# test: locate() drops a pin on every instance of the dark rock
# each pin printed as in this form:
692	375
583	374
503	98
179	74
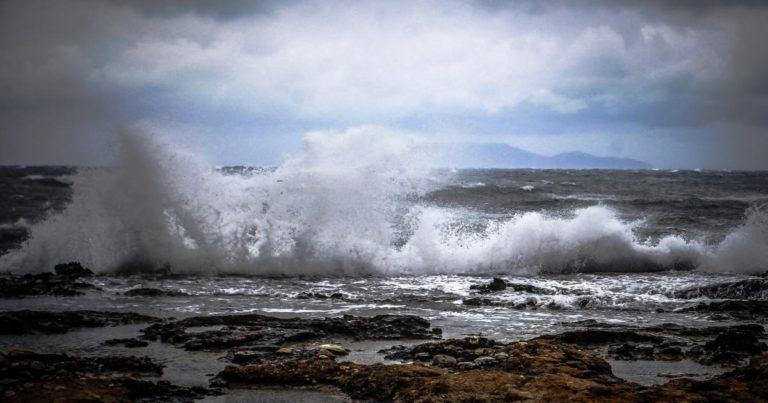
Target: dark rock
154	292
591	323
62	283
667	341
596	337
266	333
477	301
72	270
745	289
732	347
32	377
495	285
538	370
22	322
318	295
130	343
30	366
738	310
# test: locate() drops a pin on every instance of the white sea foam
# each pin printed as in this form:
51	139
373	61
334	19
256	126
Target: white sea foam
347	203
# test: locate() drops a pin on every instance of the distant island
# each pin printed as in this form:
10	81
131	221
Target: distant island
500	155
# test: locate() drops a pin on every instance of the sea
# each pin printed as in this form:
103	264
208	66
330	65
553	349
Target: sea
385	232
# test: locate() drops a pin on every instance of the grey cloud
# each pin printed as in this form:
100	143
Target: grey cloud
228	9
57	103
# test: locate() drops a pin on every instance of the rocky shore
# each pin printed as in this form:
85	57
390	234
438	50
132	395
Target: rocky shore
263	351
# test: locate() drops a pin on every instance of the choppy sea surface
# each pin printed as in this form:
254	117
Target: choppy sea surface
609	245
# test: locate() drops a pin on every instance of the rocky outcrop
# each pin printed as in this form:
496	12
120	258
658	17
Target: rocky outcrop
22	322
751	310
63	282
713	345
32	377
267	334
746	289
153	292
537	370
498	284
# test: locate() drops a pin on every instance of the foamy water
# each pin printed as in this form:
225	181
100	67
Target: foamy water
348	203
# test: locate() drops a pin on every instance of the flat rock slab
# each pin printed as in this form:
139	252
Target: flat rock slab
23	322
266	334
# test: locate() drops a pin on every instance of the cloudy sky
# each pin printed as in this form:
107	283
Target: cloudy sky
681	84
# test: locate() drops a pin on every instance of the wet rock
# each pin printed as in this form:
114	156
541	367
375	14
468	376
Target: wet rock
318	295
154	292
732	347
745	289
32	377
529	303
485	361
30	366
336	349
595	337
464	350
538	370
22	322
444	360
130	343
590	323
61	283
250	332
668	342
743	384
730	310
72	270
477	301
494	285
498	284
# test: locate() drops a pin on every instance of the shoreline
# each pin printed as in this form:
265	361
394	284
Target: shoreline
76	353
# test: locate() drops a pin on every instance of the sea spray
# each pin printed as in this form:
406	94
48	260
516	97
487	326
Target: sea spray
348	203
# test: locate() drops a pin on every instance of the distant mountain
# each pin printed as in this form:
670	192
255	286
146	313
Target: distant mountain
500	155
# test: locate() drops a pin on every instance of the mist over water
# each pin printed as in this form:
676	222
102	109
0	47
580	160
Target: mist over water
354	202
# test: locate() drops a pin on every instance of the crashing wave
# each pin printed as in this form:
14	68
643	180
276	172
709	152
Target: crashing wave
348	203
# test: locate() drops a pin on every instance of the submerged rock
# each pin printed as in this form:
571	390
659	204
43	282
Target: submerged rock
154	292
61	283
22	322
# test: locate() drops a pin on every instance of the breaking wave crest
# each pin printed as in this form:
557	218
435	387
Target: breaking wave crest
347	203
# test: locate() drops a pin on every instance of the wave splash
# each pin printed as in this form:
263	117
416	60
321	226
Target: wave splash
347	203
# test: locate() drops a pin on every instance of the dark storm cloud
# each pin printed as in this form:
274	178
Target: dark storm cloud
219	9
